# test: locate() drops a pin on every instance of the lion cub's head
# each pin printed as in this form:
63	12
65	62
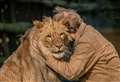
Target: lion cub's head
54	37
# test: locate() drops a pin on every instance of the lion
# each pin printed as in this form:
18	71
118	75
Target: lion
27	64
56	40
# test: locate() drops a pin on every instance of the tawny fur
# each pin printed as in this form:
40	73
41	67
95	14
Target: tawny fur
26	64
21	66
55	38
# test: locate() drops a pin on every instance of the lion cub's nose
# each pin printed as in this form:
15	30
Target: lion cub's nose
59	45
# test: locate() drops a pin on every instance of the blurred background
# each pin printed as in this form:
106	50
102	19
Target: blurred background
16	17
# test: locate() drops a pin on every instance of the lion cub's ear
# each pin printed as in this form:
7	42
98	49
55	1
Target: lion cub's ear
38	24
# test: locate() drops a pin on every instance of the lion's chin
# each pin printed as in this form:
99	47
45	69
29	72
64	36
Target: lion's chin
59	55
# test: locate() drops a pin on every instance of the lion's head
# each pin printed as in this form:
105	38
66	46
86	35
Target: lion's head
54	37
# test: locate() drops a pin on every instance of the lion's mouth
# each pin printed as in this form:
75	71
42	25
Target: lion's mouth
59	55
58	52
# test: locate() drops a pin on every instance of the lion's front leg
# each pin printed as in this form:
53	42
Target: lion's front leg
52	76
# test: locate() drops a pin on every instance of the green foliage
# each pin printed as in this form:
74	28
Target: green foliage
14	27
2	60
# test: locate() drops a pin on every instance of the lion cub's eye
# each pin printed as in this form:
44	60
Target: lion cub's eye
48	37
62	35
67	24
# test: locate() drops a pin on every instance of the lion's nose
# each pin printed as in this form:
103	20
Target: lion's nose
59	45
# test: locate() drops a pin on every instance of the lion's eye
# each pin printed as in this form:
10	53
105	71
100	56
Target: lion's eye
48	37
62	35
67	24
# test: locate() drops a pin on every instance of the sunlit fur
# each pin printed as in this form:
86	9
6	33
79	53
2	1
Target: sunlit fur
55	37
26	64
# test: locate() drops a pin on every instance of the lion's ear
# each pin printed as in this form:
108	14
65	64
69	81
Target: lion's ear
47	19
37	24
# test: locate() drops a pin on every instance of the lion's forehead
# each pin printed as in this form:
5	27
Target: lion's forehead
53	29
55	26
